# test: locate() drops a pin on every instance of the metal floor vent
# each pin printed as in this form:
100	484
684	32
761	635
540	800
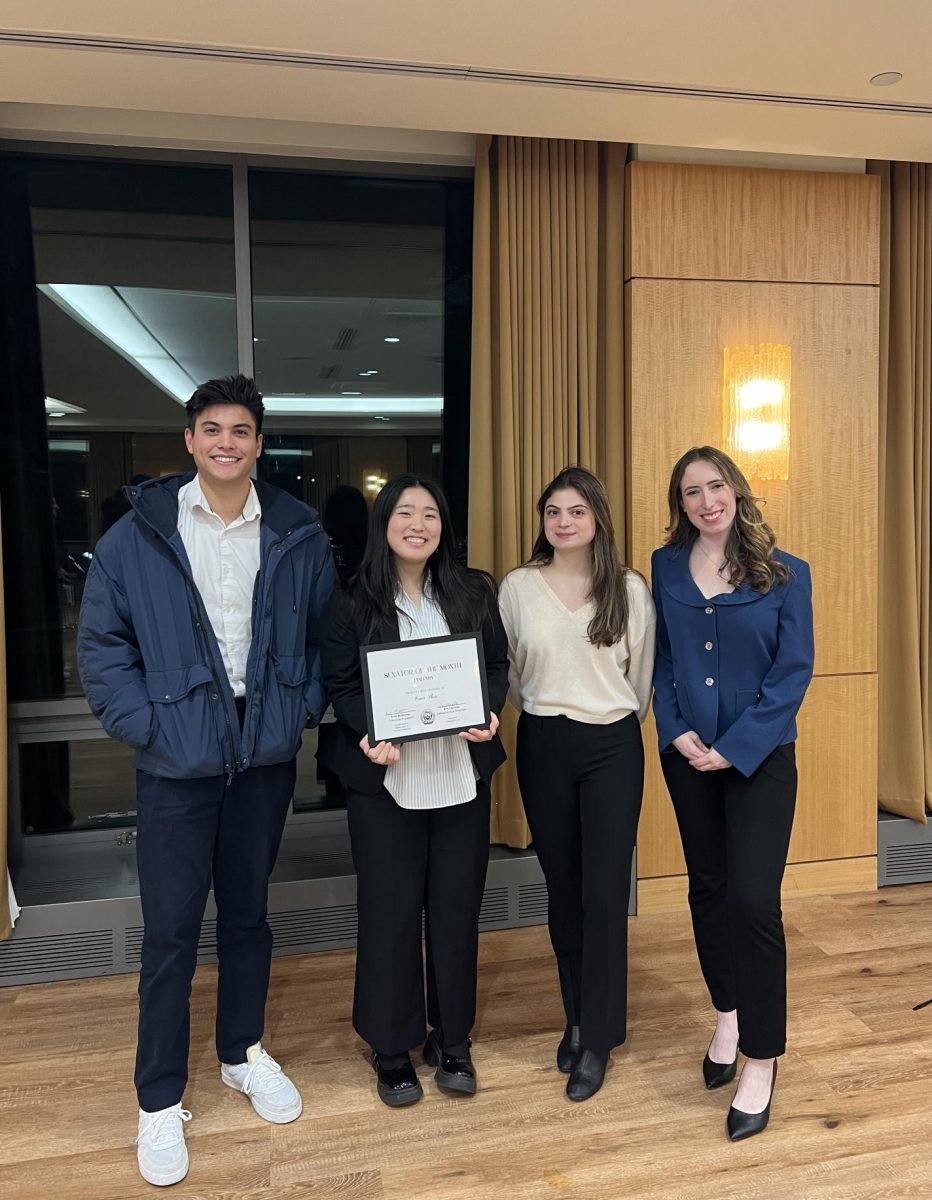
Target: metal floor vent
57	956
65	940
532	902
494	910
904	851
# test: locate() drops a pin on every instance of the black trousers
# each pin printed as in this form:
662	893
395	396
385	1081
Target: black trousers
408	863
736	835
189	831
582	787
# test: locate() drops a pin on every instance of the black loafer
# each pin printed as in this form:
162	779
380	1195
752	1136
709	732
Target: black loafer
715	1074
454	1073
569	1049
741	1125
396	1085
587	1075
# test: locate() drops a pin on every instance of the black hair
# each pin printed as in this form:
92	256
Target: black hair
462	594
231	389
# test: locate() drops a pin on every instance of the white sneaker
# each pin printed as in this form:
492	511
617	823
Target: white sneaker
160	1150
273	1095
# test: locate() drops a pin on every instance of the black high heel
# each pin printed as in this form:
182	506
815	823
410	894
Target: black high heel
715	1074
743	1125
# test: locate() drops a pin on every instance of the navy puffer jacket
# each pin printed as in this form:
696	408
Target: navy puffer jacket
148	658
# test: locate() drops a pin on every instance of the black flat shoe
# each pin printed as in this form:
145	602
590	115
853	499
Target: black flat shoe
568	1049
715	1074
454	1073
743	1125
587	1075
396	1085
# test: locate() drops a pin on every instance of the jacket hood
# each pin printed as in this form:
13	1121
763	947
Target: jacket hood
156	501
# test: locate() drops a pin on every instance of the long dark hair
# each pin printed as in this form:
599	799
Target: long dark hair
751	542
463	594
609	587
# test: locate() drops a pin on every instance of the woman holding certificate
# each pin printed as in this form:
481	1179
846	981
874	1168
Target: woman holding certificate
581	641
418	811
734	660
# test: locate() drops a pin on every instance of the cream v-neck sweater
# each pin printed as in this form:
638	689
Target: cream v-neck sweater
556	671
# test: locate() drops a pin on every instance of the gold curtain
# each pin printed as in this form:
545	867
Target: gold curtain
905	615
6	926
547	354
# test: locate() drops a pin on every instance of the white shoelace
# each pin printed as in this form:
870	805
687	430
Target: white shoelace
165	1128
266	1068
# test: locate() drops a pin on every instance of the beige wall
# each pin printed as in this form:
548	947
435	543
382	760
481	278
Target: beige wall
720	256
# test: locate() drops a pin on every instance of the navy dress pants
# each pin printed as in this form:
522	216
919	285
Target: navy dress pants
736	836
189	832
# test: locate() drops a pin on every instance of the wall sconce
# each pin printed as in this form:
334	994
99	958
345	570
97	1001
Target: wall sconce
756	409
374	481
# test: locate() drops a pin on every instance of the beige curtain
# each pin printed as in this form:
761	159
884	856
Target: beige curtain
6	925
905	759
547	353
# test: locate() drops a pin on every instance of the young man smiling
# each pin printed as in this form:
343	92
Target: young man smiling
198	647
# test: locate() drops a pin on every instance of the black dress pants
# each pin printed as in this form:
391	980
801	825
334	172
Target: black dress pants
582	787
409	863
736	836
190	831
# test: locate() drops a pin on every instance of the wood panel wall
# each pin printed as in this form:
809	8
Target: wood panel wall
720	256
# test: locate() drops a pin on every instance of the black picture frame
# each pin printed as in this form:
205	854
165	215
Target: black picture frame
366	651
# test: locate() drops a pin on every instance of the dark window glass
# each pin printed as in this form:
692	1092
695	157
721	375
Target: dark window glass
120	285
350	312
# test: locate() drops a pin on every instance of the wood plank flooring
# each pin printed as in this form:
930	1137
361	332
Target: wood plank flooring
850	1122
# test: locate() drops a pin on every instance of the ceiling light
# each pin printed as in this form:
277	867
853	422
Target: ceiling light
886	78
103	311
365	406
393	340
350	393
59	408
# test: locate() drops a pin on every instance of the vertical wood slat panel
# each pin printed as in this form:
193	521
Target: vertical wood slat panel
717	239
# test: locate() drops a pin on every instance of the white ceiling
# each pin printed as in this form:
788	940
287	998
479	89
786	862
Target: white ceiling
789	78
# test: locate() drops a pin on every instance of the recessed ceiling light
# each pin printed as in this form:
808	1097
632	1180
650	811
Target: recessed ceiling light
351	393
393	339
886	78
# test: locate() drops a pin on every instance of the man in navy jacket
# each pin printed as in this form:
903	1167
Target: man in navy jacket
198	647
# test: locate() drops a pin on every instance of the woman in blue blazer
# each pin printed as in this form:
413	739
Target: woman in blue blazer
734	660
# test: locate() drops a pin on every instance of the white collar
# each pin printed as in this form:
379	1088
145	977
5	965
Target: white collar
193	496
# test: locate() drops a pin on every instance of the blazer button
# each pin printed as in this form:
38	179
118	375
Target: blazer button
710	610
709	681
708	645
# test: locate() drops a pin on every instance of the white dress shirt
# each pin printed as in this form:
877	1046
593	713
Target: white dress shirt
224	561
437	772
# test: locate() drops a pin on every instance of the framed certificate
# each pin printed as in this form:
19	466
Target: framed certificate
428	687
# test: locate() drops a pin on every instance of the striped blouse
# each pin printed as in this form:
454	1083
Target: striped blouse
436	772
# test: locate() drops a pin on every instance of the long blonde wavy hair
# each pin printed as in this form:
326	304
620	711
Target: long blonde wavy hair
751	541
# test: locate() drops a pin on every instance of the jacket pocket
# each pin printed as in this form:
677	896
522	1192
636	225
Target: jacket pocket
745	699
187	741
284	712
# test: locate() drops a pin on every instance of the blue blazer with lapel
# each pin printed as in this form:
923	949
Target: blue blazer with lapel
735	668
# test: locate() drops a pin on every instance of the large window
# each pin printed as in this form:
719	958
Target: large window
133	285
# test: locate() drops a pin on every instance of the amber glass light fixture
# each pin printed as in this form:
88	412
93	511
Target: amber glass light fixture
756	409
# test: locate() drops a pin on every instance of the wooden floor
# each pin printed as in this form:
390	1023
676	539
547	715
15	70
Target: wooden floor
851	1117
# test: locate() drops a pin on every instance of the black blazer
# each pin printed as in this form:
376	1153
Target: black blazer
343	633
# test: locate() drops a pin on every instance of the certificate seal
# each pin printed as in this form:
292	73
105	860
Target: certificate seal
427	717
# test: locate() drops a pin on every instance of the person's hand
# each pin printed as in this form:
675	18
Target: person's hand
710	761
691	745
481	735
383	755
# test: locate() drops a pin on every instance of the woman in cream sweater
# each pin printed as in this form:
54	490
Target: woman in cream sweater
580	630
